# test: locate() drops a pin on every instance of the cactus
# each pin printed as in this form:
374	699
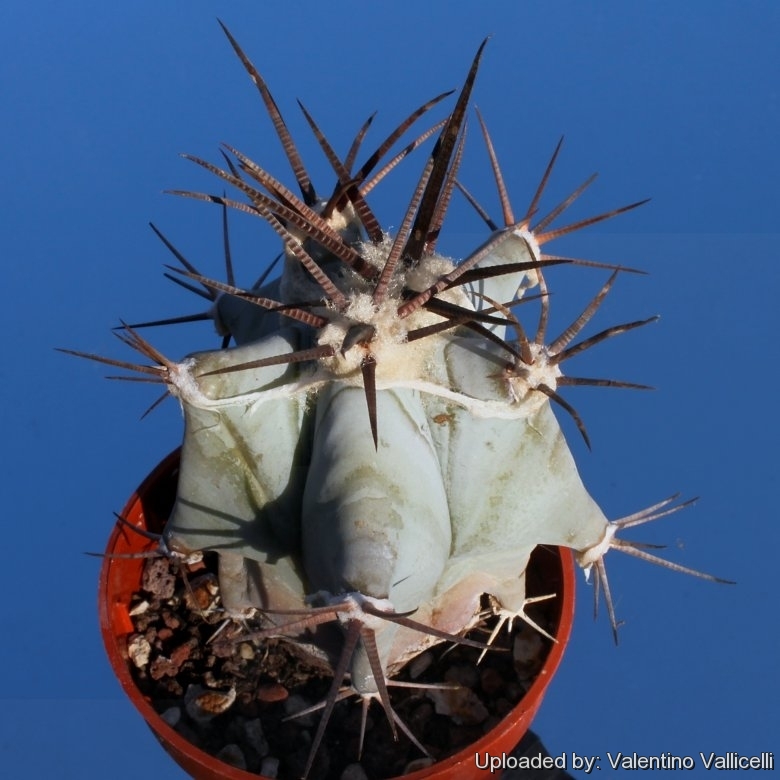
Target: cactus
378	448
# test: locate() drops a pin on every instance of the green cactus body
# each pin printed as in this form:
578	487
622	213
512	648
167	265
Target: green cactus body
381	439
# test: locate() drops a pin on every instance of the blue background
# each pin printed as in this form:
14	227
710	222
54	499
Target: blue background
675	101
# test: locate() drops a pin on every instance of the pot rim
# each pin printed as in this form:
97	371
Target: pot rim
115	624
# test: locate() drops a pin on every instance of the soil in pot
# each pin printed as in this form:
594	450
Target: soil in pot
234	699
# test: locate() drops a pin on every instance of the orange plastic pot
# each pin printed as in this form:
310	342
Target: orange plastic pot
551	571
